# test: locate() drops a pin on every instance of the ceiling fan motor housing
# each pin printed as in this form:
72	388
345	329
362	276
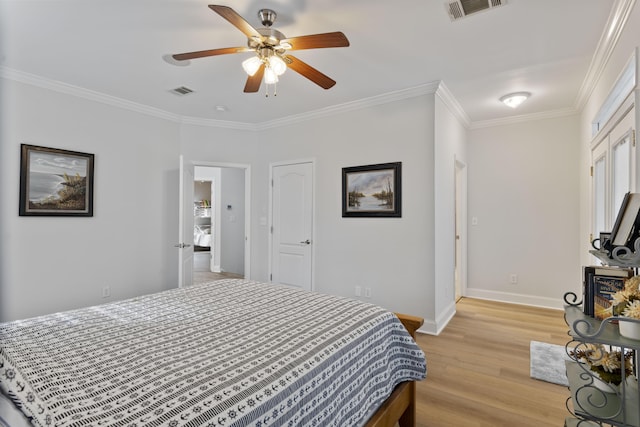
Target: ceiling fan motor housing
271	36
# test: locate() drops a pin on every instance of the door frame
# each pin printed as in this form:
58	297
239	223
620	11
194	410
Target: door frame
460	220
313	213
247	206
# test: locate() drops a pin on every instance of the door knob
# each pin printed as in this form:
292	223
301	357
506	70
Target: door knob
306	242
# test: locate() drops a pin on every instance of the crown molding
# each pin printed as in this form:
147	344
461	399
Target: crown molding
34	80
608	41
225	124
563	112
613	30
398	95
452	104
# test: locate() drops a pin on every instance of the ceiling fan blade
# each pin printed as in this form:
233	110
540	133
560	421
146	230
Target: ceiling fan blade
211	52
309	72
253	82
315	41
236	20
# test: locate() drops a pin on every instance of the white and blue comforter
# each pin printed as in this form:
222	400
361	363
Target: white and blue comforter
225	353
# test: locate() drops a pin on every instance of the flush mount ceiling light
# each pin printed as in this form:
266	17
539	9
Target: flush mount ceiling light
513	100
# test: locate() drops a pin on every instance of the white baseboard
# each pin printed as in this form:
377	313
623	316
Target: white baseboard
431	327
435	327
536	301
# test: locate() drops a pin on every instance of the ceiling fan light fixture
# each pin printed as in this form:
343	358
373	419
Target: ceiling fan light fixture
270	76
251	65
514	100
277	64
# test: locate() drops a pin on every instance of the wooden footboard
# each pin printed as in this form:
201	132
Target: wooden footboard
400	407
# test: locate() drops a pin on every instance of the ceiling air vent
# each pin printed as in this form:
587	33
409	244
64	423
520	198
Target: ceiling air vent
182	90
458	9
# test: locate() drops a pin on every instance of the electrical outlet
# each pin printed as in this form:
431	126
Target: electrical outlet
358	291
513	278
106	291
367	292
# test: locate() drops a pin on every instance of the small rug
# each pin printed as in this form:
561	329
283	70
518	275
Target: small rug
547	362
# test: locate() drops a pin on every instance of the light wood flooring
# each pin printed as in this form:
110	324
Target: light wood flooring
208	276
478	369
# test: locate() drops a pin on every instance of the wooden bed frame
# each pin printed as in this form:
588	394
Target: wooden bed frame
400	407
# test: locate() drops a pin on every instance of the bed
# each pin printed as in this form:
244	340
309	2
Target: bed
225	353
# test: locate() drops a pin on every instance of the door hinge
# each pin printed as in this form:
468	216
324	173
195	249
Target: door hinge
633	137
272	229
591	237
270	277
272	182
591	171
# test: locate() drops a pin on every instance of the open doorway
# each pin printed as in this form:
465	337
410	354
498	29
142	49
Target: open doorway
203	221
220	235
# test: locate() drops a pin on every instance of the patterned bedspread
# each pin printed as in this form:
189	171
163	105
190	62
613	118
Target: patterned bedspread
225	353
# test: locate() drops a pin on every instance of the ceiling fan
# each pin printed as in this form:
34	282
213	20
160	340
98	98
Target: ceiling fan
271	48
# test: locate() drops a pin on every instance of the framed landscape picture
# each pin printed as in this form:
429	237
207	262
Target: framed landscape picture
372	190
55	182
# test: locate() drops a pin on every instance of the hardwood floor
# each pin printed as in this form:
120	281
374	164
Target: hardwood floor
208	276
478	369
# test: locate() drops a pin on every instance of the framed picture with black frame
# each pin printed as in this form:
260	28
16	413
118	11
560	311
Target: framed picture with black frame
55	182
372	190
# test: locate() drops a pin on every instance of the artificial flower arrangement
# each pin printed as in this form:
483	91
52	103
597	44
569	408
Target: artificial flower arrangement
626	302
607	364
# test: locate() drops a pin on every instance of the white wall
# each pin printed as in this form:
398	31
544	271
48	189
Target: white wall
392	256
232	220
523	196
450	146
524	191
50	264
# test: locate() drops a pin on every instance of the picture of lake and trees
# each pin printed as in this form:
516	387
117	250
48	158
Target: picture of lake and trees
57	181
371	190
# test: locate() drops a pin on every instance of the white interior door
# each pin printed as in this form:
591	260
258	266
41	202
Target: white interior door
292	225
185	224
460	275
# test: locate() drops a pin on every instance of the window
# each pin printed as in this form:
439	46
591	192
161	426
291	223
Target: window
613	154
613	173
622	88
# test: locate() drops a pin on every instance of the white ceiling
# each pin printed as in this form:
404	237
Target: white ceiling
119	48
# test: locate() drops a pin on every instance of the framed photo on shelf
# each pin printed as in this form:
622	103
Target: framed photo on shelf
372	190
55	182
